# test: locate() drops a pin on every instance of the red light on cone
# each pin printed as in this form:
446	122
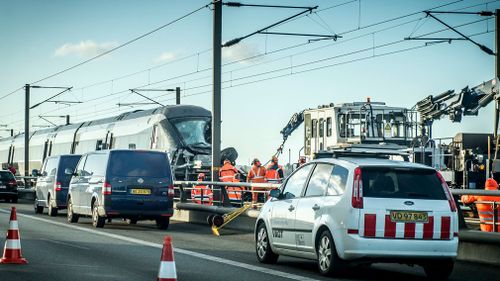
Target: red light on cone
12	250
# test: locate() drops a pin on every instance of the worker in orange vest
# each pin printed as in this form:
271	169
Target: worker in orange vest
256	175
202	194
485	210
228	173
302	161
274	171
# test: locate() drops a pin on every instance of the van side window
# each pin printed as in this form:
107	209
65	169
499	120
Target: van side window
338	180
319	180
295	183
50	167
95	165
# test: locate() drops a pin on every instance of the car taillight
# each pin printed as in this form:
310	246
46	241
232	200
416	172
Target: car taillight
357	190
57	186
446	189
171	191
106	188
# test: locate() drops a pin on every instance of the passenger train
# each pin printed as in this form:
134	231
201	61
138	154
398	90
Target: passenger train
183	131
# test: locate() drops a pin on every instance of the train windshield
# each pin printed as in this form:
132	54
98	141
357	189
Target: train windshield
195	132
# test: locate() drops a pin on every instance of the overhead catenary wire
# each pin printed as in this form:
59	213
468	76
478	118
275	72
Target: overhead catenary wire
367	26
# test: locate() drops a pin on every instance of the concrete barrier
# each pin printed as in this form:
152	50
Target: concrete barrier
474	246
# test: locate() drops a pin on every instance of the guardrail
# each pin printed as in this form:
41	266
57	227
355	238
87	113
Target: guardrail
221	191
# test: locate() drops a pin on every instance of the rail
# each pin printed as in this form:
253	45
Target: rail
494	204
222	193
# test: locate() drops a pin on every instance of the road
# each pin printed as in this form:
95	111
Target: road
57	250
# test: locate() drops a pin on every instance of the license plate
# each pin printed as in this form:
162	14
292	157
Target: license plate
2	186
140	191
409	216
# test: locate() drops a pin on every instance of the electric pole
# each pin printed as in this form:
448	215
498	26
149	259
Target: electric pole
216	96
26	130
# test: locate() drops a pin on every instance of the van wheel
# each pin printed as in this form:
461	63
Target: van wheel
262	246
162	223
37	207
52	211
97	221
439	270
72	217
131	221
329	263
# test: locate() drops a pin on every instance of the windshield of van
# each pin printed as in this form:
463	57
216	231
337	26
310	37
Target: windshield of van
66	162
139	164
411	183
194	131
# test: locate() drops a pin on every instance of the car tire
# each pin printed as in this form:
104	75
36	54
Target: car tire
72	217
37	207
97	220
439	270
329	263
52	211
210	220
162	223
263	247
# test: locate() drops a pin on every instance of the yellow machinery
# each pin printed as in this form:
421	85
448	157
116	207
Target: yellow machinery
218	221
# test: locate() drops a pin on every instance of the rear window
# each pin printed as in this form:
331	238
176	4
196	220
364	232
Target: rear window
6	176
66	162
139	164
387	182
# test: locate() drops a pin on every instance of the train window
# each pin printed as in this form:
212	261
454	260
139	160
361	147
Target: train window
315	128
194	132
321	127
329	126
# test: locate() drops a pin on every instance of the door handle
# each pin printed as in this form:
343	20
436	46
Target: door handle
316	207
291	208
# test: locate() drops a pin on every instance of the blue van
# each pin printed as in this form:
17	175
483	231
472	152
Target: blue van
130	184
52	183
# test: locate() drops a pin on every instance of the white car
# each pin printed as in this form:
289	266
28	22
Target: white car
361	210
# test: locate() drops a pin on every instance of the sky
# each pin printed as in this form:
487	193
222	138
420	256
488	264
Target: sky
266	78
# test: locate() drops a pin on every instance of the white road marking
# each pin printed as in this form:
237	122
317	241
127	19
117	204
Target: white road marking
176	250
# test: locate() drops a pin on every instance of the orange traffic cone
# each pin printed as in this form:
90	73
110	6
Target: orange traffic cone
167	264
12	251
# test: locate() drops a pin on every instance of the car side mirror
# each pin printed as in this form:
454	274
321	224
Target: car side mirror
35	173
68	171
275	193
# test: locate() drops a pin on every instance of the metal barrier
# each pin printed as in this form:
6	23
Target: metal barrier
219	191
482	192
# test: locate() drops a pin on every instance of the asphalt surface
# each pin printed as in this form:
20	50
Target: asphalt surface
57	250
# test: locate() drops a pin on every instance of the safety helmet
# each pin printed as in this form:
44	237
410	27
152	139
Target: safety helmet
274	158
226	161
255	160
491	184
201	175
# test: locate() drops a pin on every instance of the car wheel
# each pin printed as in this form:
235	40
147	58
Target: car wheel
262	246
72	217
97	221
210	220
37	207
329	263
52	211
162	223
439	270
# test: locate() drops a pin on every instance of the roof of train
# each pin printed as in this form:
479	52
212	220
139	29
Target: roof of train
170	111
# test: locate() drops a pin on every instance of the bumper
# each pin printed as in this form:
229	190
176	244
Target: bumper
356	247
8	194
112	213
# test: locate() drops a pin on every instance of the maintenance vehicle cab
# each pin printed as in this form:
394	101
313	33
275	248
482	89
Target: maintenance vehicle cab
129	184
359	209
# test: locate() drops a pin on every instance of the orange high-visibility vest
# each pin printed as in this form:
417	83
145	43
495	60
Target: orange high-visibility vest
227	173
485	210
274	174
202	194
257	175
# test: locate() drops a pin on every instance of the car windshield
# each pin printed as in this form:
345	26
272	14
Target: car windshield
6	176
389	182
194	131
139	164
